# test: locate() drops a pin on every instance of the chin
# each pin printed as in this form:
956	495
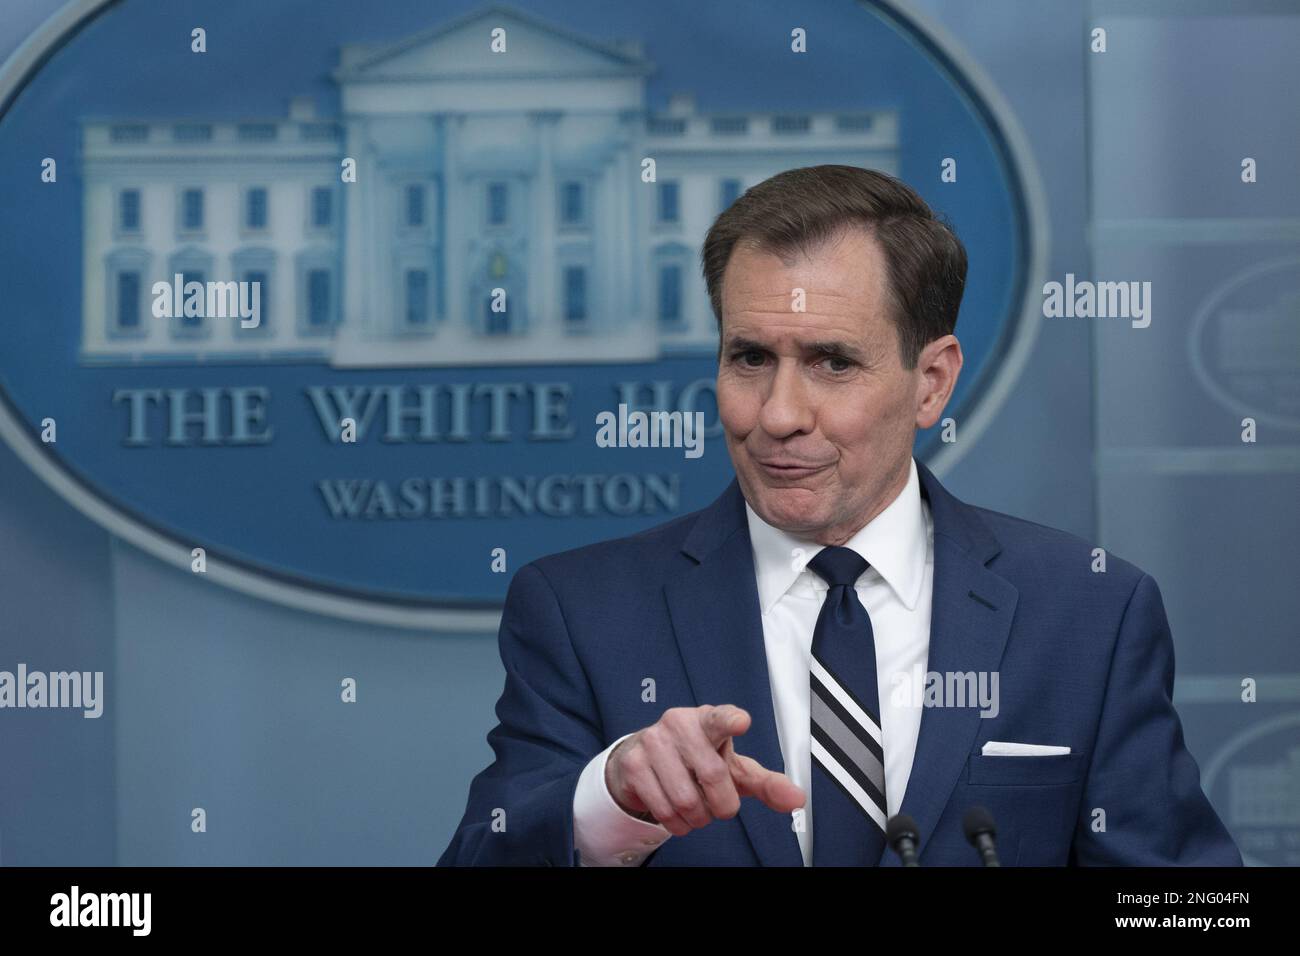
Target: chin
788	508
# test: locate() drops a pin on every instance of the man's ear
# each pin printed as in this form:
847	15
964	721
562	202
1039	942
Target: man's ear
938	365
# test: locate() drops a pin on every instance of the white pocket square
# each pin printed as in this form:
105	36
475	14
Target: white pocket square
1001	748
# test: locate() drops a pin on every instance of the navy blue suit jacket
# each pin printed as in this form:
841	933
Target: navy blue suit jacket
1084	659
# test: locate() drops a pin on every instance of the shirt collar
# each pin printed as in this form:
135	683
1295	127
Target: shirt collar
895	543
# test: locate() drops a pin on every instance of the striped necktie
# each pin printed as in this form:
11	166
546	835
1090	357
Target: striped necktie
848	760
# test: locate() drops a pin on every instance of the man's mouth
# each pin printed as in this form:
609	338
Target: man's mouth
787	468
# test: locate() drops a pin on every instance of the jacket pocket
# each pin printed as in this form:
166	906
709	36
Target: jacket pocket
1049	771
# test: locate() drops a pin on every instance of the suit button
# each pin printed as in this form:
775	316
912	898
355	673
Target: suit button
628	858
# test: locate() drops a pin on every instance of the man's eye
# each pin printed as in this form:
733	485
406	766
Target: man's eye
750	354
844	364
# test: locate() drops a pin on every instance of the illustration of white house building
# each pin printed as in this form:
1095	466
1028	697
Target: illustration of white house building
499	212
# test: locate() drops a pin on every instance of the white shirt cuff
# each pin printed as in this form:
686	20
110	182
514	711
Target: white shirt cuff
603	832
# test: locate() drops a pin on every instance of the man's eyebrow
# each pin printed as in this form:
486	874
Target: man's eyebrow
821	347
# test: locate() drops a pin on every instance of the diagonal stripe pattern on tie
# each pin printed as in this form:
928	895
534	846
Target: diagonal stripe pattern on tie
848	759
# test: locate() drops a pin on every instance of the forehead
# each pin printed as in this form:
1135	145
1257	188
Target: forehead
843	283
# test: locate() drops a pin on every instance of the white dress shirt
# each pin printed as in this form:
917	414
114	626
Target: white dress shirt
896	590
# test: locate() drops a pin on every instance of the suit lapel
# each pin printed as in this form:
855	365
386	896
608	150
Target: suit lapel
719	629
970	619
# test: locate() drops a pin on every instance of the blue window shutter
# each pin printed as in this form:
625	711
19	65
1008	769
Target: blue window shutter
318	297
128	300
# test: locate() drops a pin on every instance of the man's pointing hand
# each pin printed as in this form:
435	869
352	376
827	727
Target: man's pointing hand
684	772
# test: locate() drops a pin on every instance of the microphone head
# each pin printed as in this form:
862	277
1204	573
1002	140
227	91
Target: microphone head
977	821
901	825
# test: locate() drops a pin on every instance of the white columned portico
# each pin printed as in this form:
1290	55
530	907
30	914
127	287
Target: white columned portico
457	225
357	297
609	237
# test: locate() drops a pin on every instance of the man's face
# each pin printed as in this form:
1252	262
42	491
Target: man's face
818	411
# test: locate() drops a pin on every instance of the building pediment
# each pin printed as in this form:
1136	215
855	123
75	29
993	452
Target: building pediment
457	49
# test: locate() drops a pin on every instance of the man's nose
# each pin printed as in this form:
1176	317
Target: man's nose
787	407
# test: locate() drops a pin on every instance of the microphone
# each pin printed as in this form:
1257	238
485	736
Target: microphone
980	833
902	835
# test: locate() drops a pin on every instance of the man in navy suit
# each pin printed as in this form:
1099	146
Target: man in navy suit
836	639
